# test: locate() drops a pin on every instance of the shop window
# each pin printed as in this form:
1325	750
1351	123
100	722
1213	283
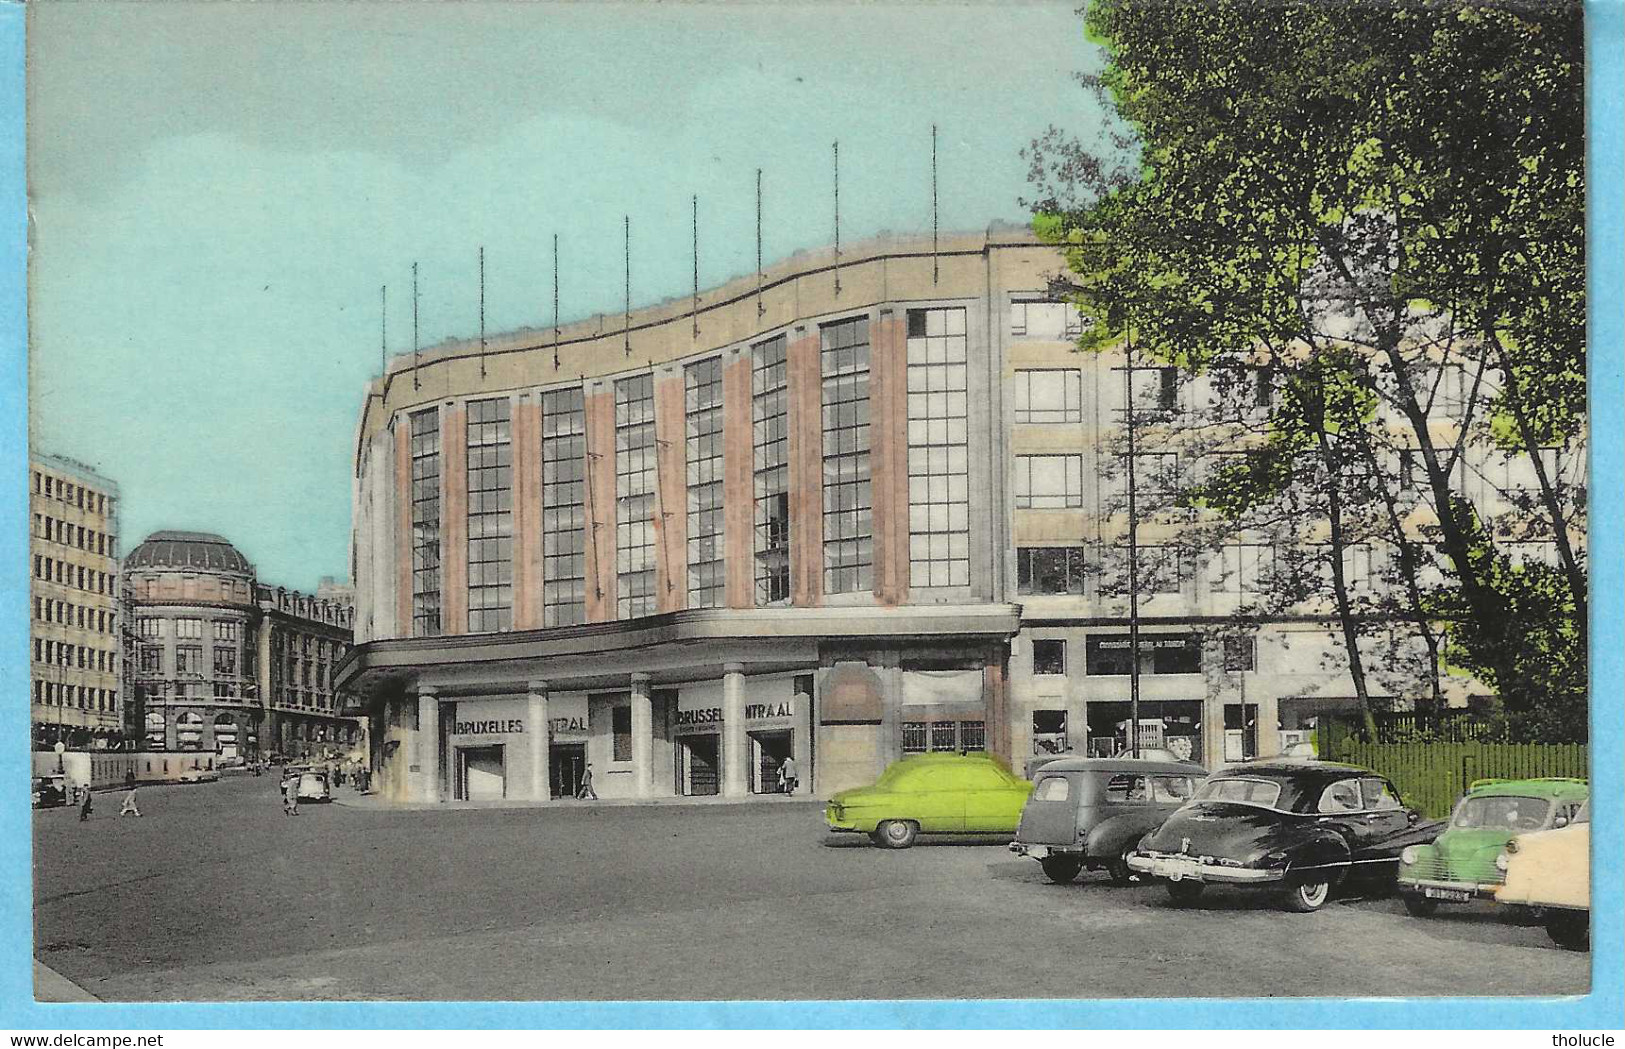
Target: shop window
1049	570
620	719
1049	656
914	737
1049	732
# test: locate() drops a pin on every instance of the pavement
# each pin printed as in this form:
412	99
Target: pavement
214	894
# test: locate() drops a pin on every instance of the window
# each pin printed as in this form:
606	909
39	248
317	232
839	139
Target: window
188	628
1247	568
1049	570
1158	569
490	516
621	726
938	450
225	662
702	387
1051	395
225	630
1377	795
944	736
1049	732
770	437
1342	796
914	737
1045	482
1240	654
1037	317
1049	656
425	446
635	496
1155	388
564	508
848	500
973	735
188	659
152	659
1052	788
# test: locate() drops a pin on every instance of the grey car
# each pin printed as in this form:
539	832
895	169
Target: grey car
1091	812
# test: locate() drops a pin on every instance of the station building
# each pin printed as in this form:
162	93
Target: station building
841	511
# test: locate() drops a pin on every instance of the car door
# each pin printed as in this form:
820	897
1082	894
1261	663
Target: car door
936	800
1383	818
993	801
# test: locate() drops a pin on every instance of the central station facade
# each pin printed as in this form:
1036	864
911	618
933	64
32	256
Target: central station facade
836	512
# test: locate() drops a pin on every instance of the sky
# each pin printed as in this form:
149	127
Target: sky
218	191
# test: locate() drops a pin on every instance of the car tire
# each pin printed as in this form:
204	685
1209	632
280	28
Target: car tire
1183	892
1061	869
1307	896
1571	929
1419	906
896	834
1118	869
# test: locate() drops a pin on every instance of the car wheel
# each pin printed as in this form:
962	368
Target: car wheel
1571	929
1119	871
897	834
1308	896
1183	892
1061	869
1420	906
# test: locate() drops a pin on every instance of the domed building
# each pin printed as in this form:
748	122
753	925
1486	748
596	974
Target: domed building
226	665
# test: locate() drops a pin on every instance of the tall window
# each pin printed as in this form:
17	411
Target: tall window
225	662
938	450
1049	395
426	522
770	405
635	496
564	508
703	408
1047	482
188	659
848	500
490	516
1050	570
189	628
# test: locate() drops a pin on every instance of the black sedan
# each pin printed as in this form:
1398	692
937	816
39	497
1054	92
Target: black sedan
1301	828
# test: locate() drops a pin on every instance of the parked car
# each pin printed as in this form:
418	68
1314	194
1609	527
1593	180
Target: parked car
50	791
1299	828
1551	870
932	794
197	776
1090	812
1461	865
315	785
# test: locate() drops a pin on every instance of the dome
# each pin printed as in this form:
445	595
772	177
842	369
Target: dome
188	551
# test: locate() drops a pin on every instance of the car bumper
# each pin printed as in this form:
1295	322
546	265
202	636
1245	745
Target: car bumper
1036	851
1448	891
1177	868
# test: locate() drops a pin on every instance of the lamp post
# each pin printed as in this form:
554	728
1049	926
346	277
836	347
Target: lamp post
1133	560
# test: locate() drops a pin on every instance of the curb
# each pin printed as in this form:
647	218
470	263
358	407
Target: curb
373	803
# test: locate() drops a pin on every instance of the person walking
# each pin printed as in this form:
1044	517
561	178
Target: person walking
84	803
290	796
585	791
787	775
129	807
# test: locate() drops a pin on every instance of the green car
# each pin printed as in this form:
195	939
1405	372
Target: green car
1460	864
932	794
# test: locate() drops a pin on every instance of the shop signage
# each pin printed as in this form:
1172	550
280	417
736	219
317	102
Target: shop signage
758	711
707	715
491	727
568	724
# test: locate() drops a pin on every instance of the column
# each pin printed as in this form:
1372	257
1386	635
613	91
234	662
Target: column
643	743
734	743
1269	725
428	745
536	726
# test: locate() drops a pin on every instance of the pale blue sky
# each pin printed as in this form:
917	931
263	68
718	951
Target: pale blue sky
218	191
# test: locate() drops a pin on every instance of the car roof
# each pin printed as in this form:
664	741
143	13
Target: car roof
1178	768
1548	786
1299	769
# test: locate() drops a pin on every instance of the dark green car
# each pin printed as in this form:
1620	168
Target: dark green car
1460	865
932	794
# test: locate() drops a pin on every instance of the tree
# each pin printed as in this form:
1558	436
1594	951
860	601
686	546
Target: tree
1393	193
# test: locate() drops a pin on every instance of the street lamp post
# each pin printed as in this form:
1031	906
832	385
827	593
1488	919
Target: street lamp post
1133	561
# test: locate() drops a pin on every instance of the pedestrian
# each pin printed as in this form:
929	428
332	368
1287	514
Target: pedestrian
84	803
129	807
290	796
787	775
585	791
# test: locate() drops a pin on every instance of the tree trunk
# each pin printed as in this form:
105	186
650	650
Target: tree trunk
1345	613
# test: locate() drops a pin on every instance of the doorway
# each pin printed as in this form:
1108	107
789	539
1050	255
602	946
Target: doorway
767	752
566	763
701	764
480	774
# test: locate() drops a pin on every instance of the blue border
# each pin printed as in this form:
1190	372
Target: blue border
1603	1008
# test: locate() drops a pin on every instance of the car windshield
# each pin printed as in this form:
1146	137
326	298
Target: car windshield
1250	791
1501	813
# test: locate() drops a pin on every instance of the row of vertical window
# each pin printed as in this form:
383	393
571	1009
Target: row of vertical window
848	489
55	530
702	383
75	495
636	498
938	449
80	657
490	515
81	697
51	570
49	610
564	508
921	737
1112	655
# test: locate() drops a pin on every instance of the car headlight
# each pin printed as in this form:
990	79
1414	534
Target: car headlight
1407	855
1502	862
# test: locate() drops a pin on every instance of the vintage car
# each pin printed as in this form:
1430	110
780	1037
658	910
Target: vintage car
50	791
1550	871
1460	865
1300	828
196	775
1091	812
932	794
314	784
